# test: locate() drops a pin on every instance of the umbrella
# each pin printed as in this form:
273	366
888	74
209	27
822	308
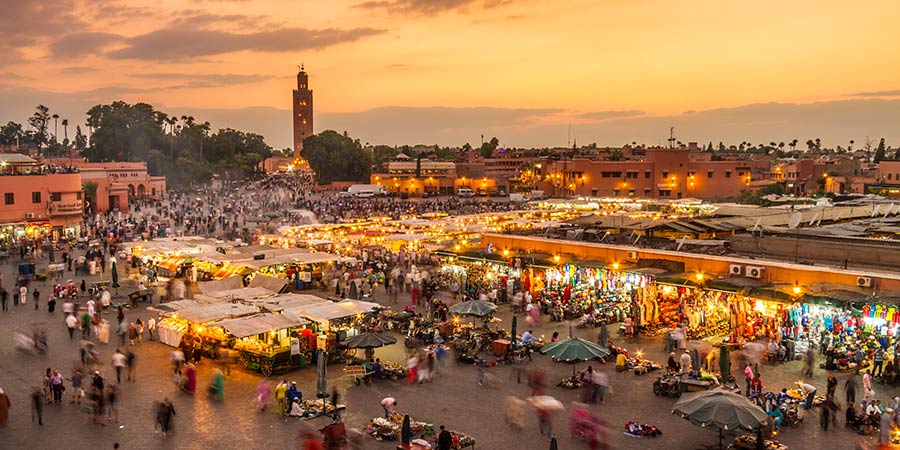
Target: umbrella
695	360
553	444
574	349
405	431
475	308
724	363
115	278
512	338
321	381
604	336
369	340
721	409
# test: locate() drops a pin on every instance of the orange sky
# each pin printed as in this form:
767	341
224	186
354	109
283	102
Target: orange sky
658	57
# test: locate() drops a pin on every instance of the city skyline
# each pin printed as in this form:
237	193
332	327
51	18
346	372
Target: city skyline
445	72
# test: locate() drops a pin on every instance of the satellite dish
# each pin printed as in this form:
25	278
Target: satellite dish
794	220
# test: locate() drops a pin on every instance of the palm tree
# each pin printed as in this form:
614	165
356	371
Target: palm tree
65	123
794	144
55	127
818	144
850	148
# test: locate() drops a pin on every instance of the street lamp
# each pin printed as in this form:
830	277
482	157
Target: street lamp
699	276
797	289
556	258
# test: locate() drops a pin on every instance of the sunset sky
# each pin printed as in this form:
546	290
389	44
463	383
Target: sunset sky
447	71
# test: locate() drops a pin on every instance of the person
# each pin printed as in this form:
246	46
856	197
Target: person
189	383
334	401
262	395
112	402
37	299
777	416
832	384
850	388
130	363
4	298
56	386
809	392
51	304
686	361
296	410
672	364
5	404
37	405
621	359
528	337
293	393
388	403
119	361
879	362
85	325
280	397
810	360
151	327
748	377
868	393
71	323
828	413
886	427
77	389
555	336
217	387
445	439
165	412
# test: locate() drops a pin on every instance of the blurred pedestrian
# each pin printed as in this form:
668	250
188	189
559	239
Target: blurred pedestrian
5	404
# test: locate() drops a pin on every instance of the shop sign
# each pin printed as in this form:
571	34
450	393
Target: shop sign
295	346
59	208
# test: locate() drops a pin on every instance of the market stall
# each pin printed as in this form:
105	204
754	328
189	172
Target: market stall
191	321
267	342
334	322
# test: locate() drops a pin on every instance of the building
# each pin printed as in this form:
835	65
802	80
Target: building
303	111
117	183
39	200
661	173
500	169
407	176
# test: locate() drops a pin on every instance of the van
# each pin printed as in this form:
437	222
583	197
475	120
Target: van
375	189
537	195
465	193
516	198
365	194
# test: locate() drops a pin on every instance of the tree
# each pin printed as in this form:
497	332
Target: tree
336	157
488	148
467	147
810	145
616	155
383	153
65	124
880	151
793	144
11	133
39	121
818	144
80	138
90	193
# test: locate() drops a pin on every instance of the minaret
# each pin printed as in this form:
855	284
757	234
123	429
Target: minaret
303	111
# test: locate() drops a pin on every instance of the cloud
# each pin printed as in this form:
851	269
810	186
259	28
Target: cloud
892	93
429	7
173	43
606	115
205	80
83	43
77	70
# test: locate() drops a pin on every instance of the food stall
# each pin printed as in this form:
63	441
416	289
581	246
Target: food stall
334	322
268	342
192	320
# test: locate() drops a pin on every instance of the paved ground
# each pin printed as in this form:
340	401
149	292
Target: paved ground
453	399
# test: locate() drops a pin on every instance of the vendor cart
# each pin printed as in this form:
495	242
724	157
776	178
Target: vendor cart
359	372
138	296
275	361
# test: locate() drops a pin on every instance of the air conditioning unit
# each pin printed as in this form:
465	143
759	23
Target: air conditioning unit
864	281
736	269
753	271
29	215
633	255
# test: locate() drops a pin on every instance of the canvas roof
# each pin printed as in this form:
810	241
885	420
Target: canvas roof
216	311
232	282
331	311
260	323
274	284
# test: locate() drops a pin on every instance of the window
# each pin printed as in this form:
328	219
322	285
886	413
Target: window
631	174
691	173
889	176
665	174
78	194
35	197
611	174
647	174
615	192
9	198
665	193
594	192
727	174
631	192
646	192
709	174
56	196
740	173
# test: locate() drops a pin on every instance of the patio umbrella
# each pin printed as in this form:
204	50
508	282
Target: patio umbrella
369	340
695	360
724	363
115	278
512	338
553	444
604	336
721	409
321	381
405	431
574	350
475	308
